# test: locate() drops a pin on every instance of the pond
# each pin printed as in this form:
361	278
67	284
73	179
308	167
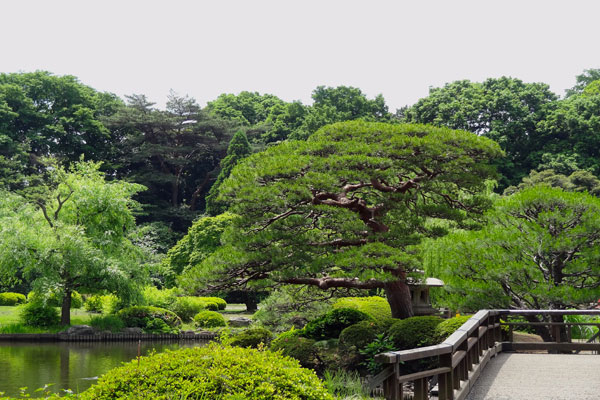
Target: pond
67	365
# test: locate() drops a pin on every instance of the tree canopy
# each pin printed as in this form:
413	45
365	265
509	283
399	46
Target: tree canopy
538	250
346	207
72	237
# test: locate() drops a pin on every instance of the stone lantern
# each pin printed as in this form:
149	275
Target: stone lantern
419	293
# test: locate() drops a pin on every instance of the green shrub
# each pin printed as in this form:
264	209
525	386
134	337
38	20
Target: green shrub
300	348
221	304
156	297
12	299
359	335
55	298
157	325
210	372
414	332
286	335
211	306
252	338
188	306
375	307
449	326
93	303
331	324
38	314
107	323
141	316
209	319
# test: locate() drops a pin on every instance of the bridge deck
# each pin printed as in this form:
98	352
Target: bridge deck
514	376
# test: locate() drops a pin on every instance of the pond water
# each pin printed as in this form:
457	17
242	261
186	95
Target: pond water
67	365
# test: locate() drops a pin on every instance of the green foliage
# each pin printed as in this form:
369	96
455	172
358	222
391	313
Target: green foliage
300	348
111	323
141	316
414	332
221	304
291	307
163	298
106	304
188	306
578	181
375	307
334	207
538	250
252	337
449	326
12	299
238	149
72	235
38	314
331	324
347	385
209	319
380	344
210	372
359	335
585	332
55	298
506	110
583	80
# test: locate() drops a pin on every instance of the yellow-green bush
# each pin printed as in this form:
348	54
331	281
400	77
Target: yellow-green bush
375	307
221	304
210	372
54	299
141	316
156	297
209	319
12	299
449	326
252	337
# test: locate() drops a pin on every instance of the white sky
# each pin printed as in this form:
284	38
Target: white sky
287	48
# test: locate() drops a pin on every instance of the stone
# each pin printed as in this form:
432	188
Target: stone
133	330
80	330
240	321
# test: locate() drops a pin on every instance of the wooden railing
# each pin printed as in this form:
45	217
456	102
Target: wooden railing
462	357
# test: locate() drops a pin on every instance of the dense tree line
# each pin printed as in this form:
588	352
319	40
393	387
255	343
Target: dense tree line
189	161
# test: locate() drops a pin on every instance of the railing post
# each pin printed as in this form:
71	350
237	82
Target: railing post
392	389
421	389
446	381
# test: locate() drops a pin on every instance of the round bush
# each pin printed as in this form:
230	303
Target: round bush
375	307
40	315
300	348
188	306
210	372
414	332
252	338
359	335
449	326
156	297
93	303
140	316
221	304
209	319
331	324
12	299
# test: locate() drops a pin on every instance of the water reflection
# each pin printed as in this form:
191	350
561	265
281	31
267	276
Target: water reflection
74	366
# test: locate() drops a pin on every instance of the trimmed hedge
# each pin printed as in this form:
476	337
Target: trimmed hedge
375	307
209	319
359	335
221	304
210	372
252	337
300	348
414	332
141	316
449	326
331	324
12	299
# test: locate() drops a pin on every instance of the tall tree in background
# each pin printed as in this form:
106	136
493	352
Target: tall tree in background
43	115
174	153
238	149
583	80
506	110
345	208
72	237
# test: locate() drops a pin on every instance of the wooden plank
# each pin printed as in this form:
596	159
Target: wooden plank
422	352
456	339
551	312
470	326
423	374
457	357
380	377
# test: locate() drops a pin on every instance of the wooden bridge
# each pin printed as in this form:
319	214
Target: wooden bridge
475	363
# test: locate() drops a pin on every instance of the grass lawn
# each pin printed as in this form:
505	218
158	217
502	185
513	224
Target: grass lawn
9	321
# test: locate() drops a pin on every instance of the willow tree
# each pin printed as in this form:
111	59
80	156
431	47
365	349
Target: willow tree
346	208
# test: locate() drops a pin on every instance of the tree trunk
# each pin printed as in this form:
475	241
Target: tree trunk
65	311
398	295
251	303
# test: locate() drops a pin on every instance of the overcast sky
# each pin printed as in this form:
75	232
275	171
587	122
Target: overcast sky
287	48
